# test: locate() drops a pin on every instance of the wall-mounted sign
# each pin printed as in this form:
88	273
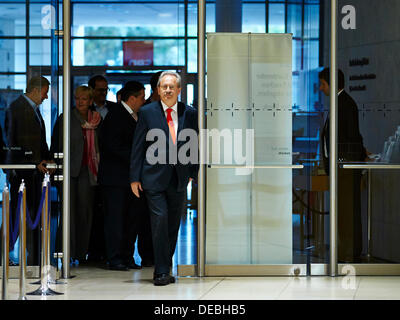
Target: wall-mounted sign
138	53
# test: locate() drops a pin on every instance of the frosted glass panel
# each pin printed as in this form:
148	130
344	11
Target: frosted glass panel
249	211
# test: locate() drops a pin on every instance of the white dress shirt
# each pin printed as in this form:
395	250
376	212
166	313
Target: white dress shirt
131	112
174	115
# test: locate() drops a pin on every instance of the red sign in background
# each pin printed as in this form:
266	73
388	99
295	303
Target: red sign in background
138	53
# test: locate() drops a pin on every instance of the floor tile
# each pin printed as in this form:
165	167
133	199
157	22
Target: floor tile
320	288
246	288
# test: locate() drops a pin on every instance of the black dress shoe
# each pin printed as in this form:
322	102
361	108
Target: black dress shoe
118	267
163	279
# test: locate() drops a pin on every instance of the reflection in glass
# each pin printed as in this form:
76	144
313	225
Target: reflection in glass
276	18
100	52
253	18
12	19
12	55
121	19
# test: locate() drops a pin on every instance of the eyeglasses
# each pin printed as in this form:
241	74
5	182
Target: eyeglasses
103	89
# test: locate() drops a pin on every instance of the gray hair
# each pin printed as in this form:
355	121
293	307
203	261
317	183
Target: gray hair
170	73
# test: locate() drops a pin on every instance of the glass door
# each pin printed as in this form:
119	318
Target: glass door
266	191
368	137
30	92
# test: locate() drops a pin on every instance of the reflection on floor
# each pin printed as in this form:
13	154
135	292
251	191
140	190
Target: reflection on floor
95	283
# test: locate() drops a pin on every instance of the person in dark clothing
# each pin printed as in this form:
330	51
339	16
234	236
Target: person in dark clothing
84	160
26	138
122	209
350	149
97	253
163	184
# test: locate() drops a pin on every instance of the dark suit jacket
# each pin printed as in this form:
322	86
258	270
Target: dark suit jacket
350	141
25	136
116	136
3	148
156	177
76	141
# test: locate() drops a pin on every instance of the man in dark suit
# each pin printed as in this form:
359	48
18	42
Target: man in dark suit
350	149
26	137
157	170
145	242
99	84
122	209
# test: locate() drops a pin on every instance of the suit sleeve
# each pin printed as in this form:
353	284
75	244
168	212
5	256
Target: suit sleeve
10	128
138	152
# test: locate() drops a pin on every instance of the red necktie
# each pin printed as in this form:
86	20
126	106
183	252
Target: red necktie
171	125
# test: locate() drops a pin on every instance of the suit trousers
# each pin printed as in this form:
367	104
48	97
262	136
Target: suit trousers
120	223
96	243
166	209
349	215
81	216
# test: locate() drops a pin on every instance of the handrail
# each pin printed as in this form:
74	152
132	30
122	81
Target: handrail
272	166
370	166
17	166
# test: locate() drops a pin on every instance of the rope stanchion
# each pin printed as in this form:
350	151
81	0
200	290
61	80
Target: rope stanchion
22	244
51	280
44	289
5	242
33	224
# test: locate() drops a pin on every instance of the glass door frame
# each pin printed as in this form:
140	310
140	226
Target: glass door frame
332	268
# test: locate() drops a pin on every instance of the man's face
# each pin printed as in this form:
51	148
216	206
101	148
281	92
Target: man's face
100	91
39	95
324	87
138	101
169	90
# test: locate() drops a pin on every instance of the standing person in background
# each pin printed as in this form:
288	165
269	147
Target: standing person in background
122	209
154	90
26	138
99	84
97	251
350	149
163	184
83	168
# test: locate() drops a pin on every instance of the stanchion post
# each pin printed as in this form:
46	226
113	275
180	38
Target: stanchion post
44	289
22	244
43	269
5	242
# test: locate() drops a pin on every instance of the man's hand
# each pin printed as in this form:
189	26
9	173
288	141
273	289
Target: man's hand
41	167
136	186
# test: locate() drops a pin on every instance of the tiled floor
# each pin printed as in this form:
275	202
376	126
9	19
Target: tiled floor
94	283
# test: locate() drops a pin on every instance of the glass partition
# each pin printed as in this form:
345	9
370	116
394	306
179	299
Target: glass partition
267	196
368	133
29	101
